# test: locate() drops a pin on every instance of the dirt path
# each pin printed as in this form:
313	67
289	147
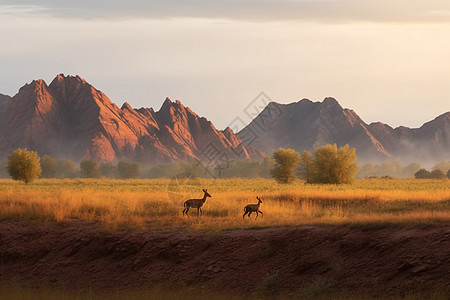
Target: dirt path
383	261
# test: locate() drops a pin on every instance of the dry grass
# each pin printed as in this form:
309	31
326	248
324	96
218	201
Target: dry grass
157	204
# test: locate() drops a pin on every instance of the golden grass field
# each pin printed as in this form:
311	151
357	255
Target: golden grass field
158	203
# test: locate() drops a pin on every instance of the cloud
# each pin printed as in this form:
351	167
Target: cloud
322	11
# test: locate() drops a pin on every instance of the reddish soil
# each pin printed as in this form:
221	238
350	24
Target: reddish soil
370	261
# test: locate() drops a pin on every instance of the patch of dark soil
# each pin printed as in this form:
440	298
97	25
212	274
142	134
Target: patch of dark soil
372	261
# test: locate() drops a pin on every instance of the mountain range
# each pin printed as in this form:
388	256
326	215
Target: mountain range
70	119
306	125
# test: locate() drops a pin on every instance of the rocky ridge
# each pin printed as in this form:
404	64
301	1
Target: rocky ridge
307	125
71	119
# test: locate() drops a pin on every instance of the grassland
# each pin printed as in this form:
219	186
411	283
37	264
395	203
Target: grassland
157	204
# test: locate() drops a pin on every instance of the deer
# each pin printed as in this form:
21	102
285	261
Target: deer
253	208
196	203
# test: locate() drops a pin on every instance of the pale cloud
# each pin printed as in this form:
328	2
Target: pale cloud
323	11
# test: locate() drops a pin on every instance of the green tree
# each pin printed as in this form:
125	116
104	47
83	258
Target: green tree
89	169
422	174
307	168
67	169
286	162
448	174
437	174
49	167
24	165
329	165
128	169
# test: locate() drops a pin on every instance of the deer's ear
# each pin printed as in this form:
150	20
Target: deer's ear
204	190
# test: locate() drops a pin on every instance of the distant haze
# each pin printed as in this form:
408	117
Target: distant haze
388	60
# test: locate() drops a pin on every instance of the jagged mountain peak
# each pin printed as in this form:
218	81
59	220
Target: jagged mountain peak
33	85
306	125
228	131
71	119
330	101
61	78
126	106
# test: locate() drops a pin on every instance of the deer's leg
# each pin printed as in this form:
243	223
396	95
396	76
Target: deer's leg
201	211
256	215
187	210
244	214
261	213
249	214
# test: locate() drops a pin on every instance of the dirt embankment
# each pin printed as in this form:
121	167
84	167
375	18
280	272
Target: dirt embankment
372	261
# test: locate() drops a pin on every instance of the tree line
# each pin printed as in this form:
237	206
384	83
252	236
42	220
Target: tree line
327	164
399	170
27	166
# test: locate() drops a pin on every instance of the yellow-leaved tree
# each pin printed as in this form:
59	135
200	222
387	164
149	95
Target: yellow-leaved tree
329	165
24	165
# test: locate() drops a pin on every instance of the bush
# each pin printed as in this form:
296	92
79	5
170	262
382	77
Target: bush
24	165
437	174
329	165
67	169
422	174
286	161
128	169
49	167
448	174
89	169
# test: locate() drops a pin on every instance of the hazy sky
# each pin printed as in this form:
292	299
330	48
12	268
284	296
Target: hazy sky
387	60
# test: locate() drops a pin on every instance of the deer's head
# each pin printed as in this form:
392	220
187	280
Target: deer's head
259	199
206	193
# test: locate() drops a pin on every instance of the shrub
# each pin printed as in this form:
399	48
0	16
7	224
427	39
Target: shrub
67	169
24	165
128	169
89	169
286	161
49	167
422	174
329	165
437	174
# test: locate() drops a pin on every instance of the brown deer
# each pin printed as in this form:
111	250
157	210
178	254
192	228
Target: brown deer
253	208
196	203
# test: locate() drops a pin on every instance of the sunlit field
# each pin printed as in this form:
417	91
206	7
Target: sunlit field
158	204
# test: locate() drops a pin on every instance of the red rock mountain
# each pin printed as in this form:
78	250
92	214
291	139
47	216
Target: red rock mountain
71	119
306	125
